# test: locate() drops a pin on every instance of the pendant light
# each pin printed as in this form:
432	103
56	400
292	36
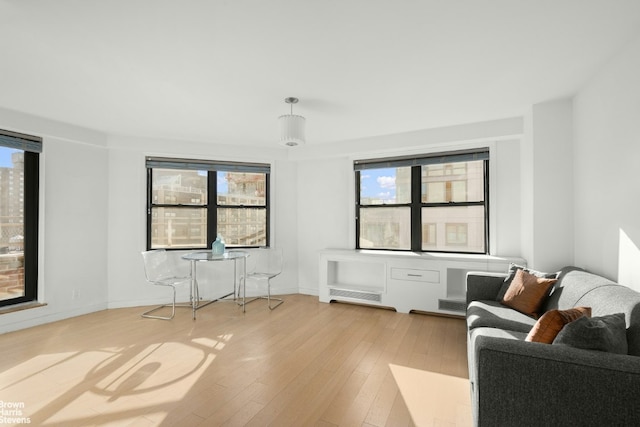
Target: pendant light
291	126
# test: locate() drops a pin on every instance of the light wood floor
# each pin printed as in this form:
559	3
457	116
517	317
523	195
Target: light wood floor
305	363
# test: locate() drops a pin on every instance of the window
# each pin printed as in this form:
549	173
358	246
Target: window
429	237
457	234
433	203
190	202
19	188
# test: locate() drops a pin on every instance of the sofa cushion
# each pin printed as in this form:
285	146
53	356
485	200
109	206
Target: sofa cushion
527	292
513	269
496	333
550	323
492	314
605	333
612	298
573	284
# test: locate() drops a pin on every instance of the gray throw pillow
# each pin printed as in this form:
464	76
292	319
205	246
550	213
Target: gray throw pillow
605	333
513	269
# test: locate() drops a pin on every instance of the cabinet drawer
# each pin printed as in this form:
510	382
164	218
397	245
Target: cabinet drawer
432	276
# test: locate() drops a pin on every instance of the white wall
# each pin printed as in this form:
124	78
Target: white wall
325	188
73	225
607	184
547	186
285	215
506	216
75	232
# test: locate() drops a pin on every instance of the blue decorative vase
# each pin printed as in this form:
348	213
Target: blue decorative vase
217	247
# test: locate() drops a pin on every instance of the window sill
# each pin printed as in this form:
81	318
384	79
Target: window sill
436	256
427	255
20	307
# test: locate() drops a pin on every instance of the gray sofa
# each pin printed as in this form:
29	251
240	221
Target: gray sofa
519	383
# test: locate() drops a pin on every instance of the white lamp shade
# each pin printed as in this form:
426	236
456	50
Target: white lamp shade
291	130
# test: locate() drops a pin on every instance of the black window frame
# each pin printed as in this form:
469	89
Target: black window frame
32	147
416	204
212	167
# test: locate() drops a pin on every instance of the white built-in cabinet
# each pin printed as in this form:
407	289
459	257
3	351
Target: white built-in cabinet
407	282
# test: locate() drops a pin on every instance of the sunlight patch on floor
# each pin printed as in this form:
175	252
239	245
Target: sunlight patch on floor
433	398
95	387
211	343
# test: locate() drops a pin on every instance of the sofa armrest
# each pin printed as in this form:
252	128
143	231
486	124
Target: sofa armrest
523	383
483	285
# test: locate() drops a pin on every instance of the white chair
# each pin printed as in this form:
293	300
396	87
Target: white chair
163	270
263	265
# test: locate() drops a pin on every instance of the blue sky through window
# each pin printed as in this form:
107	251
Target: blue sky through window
223	184
5	157
378	184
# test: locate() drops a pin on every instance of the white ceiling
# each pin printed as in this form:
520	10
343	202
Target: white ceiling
218	71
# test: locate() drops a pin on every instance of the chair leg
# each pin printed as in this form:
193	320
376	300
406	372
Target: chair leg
246	301
173	305
269	297
147	314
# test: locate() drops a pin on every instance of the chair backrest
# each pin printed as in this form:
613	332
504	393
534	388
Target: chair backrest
265	261
158	265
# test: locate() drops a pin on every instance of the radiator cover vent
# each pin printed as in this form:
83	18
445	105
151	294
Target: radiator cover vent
360	295
452	305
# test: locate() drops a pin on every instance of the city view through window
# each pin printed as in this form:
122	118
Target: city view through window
181	212
11	223
452	207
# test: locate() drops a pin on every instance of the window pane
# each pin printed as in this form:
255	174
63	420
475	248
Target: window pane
385	228
243	226
178	228
456	234
11	223
242	189
385	186
179	187
429	236
453	182
436	192
453	229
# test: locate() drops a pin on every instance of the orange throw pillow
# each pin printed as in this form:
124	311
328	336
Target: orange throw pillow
551	323
527	293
